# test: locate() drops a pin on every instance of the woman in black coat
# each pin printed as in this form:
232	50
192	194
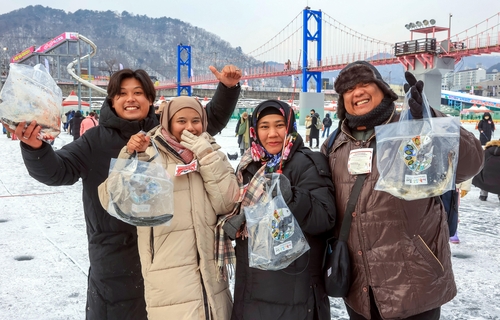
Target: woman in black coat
115	283
74	125
489	178
486	128
296	292
314	133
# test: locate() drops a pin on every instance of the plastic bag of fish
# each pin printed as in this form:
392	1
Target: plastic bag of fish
140	193
417	158
30	93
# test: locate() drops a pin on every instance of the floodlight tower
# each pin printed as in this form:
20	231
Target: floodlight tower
424	57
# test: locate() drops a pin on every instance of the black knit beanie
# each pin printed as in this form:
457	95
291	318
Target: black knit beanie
359	72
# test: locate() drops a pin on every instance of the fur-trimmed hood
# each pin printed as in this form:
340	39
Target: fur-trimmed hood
493	143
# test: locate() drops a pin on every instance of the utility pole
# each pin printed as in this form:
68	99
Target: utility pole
215	59
449	31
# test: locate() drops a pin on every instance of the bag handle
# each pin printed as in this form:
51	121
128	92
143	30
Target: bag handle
134	155
351	203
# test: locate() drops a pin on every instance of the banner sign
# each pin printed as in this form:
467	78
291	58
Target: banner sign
26	53
71	36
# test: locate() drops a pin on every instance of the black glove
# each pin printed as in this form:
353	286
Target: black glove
285	187
415	101
233	225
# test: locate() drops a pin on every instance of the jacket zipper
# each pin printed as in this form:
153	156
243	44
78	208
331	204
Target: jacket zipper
205	299
169	148
152	244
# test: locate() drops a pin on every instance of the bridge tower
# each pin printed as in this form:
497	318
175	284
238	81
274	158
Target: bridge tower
183	62
311	100
427	58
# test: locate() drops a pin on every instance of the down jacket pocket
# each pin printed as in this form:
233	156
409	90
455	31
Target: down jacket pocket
429	256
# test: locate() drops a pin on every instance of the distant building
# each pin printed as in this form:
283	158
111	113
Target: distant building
492	76
464	80
491	86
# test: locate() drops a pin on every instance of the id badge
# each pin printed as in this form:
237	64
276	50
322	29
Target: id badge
360	161
181	169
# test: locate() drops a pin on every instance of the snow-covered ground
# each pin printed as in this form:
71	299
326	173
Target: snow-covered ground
44	260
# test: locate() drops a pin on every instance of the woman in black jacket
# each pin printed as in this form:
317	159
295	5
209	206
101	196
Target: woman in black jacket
486	128
296	292
314	133
74	125
115	284
489	177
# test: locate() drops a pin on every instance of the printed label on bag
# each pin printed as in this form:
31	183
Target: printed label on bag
285	246
282	226
414	180
141	207
360	161
329	272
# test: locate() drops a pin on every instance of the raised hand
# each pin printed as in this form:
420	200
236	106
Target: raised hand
415	101
230	75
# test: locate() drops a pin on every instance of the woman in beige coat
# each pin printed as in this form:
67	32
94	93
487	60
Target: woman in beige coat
180	274
307	124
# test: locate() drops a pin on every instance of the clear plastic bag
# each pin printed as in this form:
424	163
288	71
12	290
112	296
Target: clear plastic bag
30	93
275	239
140	193
417	158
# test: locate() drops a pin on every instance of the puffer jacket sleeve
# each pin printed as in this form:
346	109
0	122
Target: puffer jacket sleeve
470	154
83	125
221	107
220	181
55	168
313	203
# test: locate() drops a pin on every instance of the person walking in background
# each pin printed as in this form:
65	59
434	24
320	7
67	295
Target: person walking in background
89	122
184	250
314	133
75	124
488	180
399	250
327	123
64	120
307	124
115	282
463	188
70	114
243	132
297	291
486	128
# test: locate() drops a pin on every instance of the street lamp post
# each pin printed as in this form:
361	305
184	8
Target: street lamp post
449	31
4	65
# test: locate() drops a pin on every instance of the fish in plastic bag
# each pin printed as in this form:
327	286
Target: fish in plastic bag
30	93
417	158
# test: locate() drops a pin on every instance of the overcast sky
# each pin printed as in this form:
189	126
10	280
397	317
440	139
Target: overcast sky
250	23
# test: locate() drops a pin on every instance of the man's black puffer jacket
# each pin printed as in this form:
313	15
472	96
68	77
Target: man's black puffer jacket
115	284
